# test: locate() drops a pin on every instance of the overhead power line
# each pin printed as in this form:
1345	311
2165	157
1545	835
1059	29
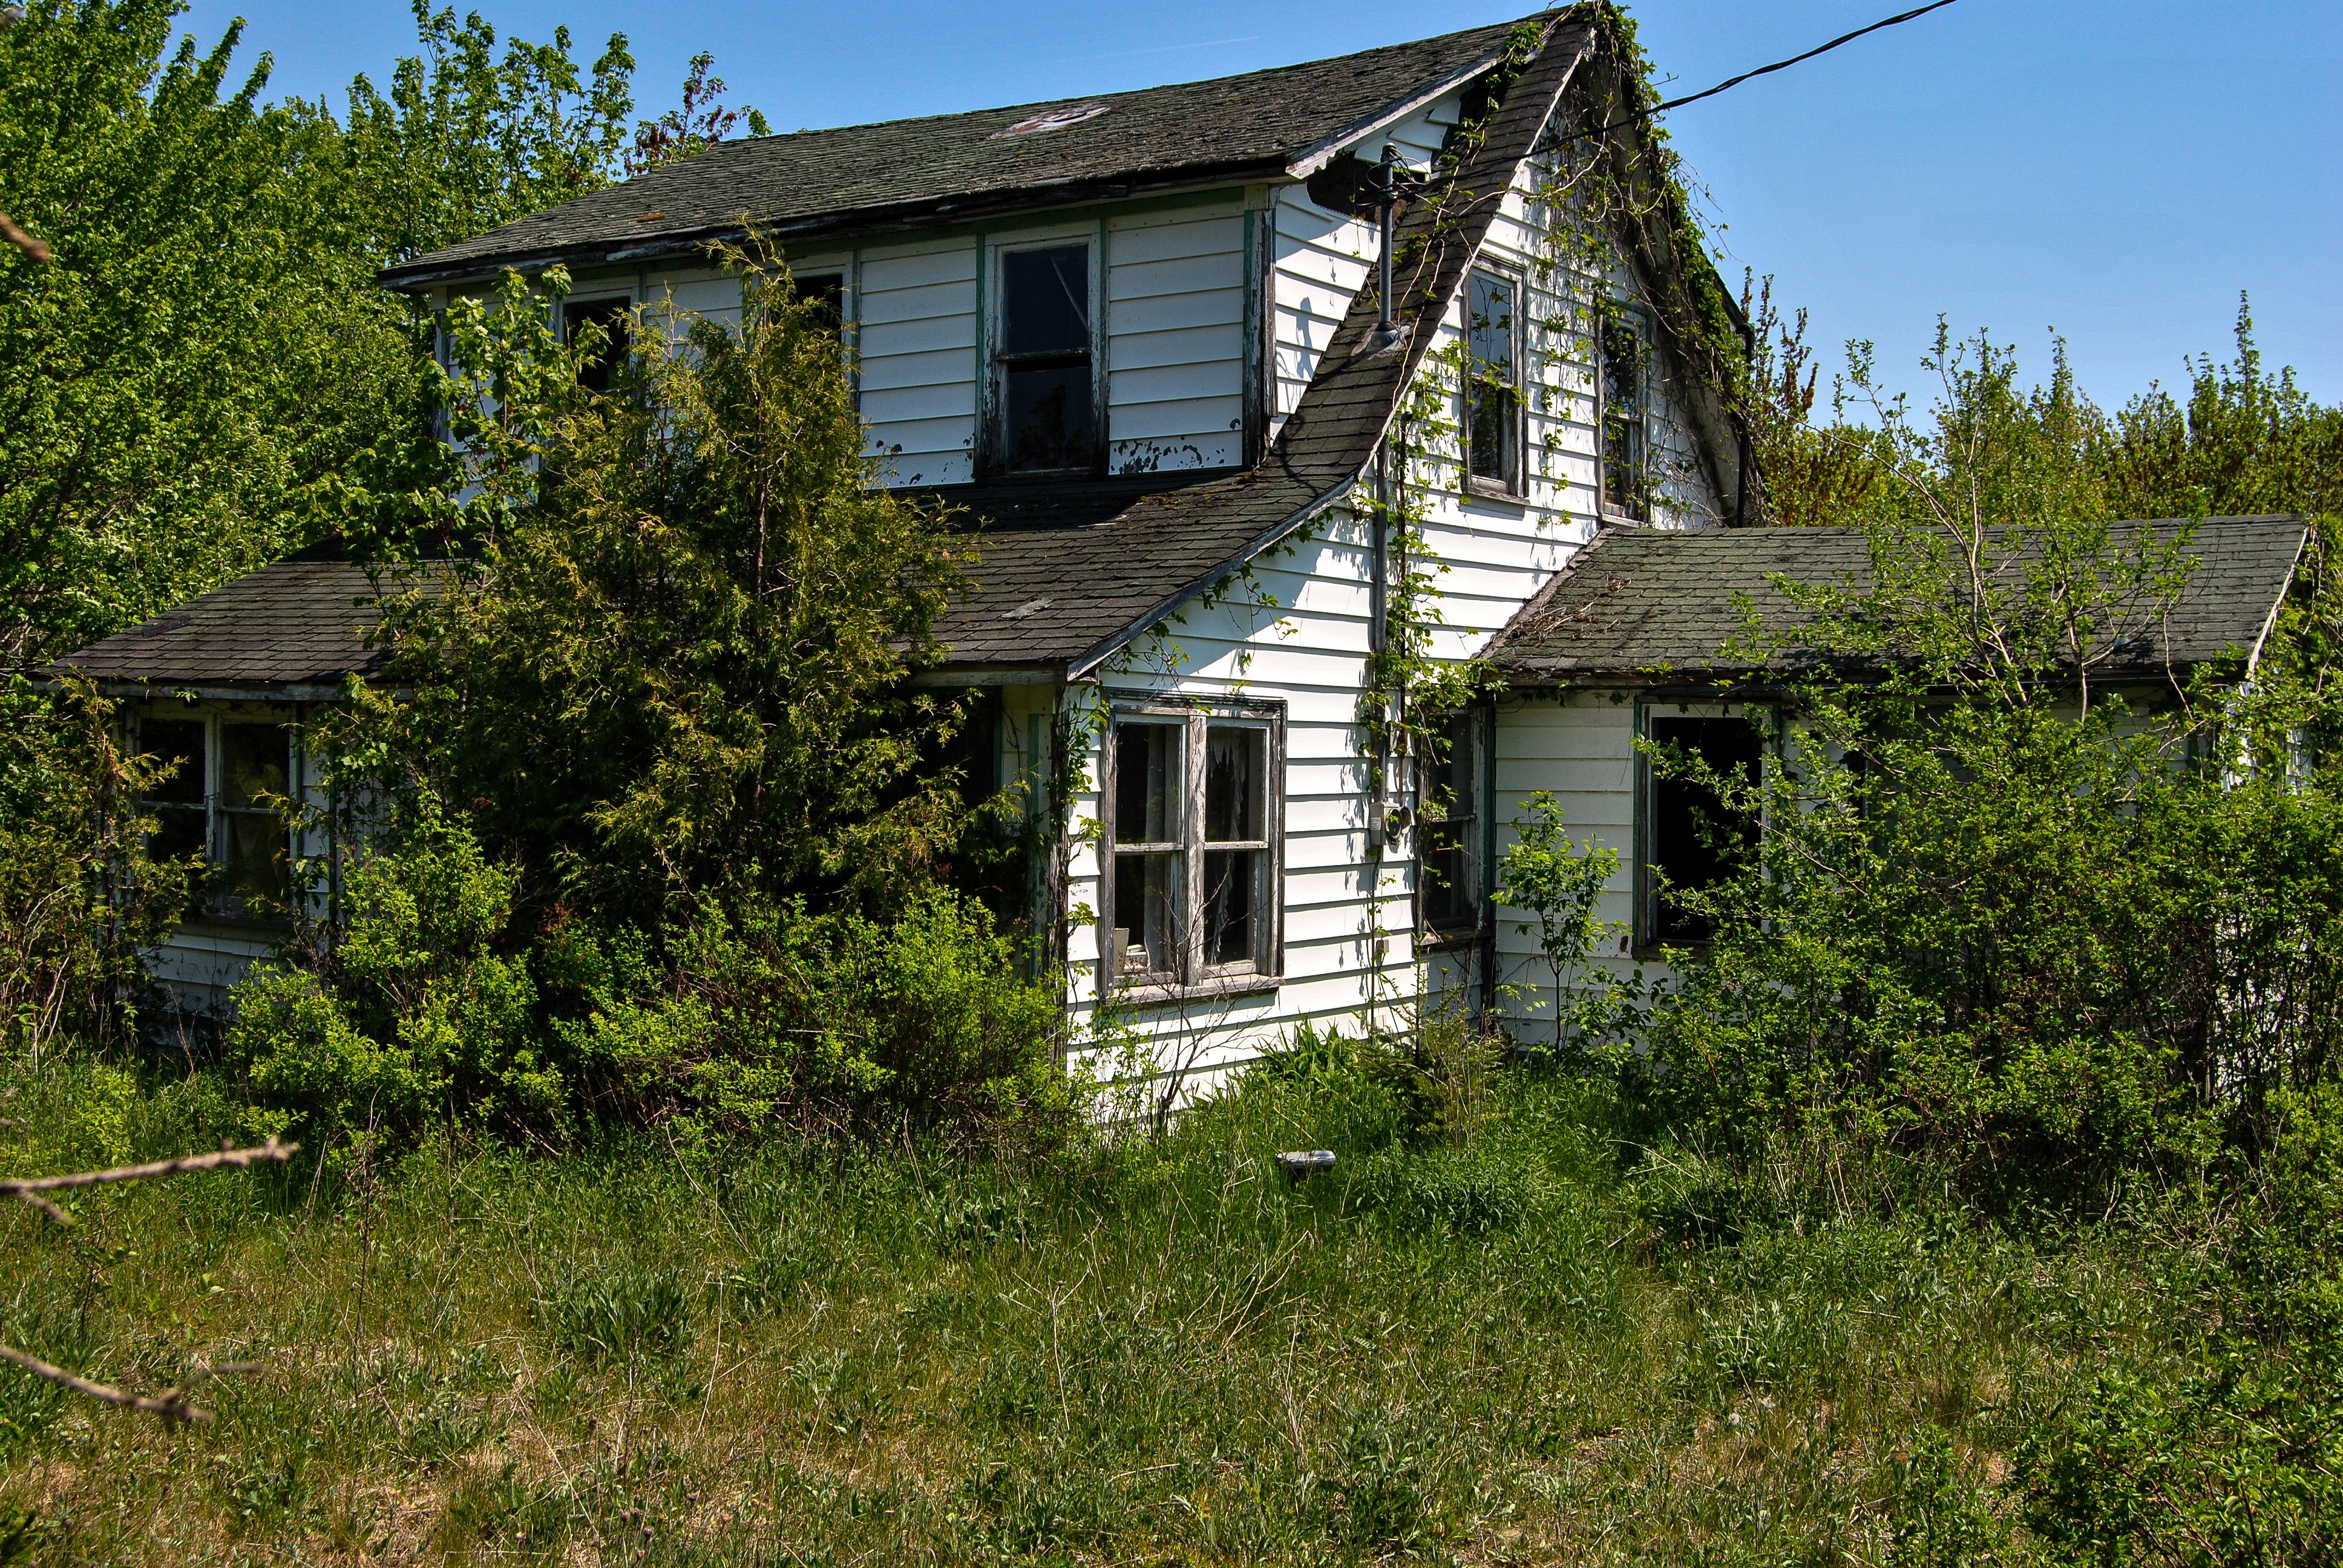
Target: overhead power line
1777	66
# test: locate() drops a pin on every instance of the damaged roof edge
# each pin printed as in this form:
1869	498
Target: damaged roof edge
1317	157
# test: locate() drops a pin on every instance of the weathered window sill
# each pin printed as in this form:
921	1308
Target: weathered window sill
1216	987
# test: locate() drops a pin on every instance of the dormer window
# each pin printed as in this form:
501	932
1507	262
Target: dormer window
1044	358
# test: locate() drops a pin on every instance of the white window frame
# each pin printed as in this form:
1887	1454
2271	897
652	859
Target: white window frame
1762	718
1190	975
214	901
1512	484
995	409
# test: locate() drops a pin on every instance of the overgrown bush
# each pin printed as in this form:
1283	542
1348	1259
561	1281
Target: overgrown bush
435	1002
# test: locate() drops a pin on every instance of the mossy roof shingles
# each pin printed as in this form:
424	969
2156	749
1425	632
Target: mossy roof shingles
1660	606
948	167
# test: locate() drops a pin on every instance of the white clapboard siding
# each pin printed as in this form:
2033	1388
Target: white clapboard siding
917	341
1319	260
1175	342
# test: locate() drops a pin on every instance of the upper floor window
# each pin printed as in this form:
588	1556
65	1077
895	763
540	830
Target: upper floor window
225	802
1626	490
616	318
1448	835
1493	385
1694	836
1045	397
826	292
1191	893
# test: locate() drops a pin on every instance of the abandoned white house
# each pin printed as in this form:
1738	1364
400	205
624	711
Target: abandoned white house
1143	339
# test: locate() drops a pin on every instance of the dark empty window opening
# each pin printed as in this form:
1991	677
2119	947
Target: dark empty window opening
616	318
1448	839
1493	389
1693	838
826	292
1048	419
1625	458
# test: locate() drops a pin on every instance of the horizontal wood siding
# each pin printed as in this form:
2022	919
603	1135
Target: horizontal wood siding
917	338
1175	341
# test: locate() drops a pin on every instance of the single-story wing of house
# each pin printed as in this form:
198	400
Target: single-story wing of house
1237	377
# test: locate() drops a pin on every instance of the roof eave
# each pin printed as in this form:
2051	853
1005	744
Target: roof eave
845	223
1318	155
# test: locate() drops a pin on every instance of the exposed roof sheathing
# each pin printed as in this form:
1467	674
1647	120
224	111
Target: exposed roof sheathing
1659	606
948	167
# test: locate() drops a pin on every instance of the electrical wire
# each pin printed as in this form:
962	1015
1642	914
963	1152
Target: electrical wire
1777	66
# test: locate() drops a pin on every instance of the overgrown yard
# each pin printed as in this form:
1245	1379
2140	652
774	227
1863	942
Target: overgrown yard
1151	1351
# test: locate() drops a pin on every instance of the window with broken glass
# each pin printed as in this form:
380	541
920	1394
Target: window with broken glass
1191	847
1492	387
616	317
1626	491
1693	833
1448	832
1045	399
225	803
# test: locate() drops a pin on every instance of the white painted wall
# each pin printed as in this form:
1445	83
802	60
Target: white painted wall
916	333
1175	316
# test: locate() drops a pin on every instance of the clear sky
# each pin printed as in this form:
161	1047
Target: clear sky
2118	170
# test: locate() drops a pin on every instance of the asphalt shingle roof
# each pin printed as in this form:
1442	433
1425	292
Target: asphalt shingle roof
301	622
1069	596
948	167
1655	604
1066	572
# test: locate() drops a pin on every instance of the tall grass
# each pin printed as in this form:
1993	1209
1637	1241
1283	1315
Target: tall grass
1489	1344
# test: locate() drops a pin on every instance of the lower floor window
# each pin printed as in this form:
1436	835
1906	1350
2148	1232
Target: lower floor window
1448	839
1692	837
225	802
1191	818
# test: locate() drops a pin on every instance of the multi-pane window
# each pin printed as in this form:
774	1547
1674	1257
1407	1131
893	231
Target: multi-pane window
1693	837
1448	835
616	318
1190	892
1624	490
1492	389
225	802
1046	420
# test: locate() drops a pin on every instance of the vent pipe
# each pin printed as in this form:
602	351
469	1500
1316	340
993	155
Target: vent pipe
1386	335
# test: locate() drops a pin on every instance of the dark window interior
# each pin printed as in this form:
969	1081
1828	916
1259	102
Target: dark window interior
826	292
1235	813
614	317
1448	840
1493	392
1695	839
1622	419
1048	421
1147	838
253	786
179	803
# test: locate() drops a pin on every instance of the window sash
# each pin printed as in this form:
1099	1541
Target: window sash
1449	850
1657	840
212	808
1222	892
1492	412
1044	355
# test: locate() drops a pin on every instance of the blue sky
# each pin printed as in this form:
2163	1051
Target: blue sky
2116	169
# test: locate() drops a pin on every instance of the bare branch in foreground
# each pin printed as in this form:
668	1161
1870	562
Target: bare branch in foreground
28	1187
171	1407
34	249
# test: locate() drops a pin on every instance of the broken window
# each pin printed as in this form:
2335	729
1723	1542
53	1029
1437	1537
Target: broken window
1047	416
826	292
180	804
1191	893
1624	490
1695	837
616	318
1493	389
1448	833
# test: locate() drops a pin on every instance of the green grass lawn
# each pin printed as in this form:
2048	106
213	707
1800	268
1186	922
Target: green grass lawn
1148	1350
